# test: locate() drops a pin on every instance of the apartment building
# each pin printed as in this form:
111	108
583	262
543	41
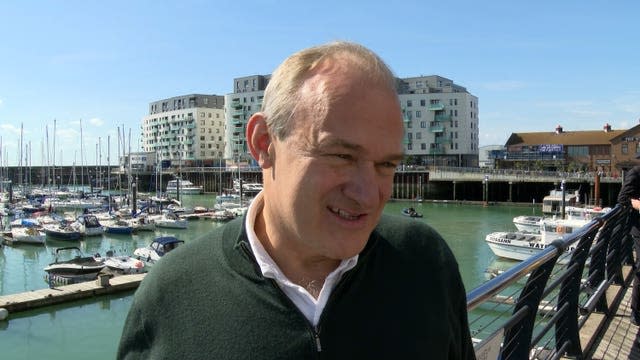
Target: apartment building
441	120
186	130
239	106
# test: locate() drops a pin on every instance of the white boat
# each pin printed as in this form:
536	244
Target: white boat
532	223
169	220
518	245
157	249
123	264
552	203
25	231
184	186
88	225
528	223
142	223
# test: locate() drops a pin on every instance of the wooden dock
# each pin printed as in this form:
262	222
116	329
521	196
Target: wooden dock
62	294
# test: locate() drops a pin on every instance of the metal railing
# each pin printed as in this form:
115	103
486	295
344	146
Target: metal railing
543	307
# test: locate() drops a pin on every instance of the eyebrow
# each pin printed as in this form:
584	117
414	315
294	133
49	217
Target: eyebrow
357	148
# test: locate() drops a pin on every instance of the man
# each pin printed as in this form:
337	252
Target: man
313	270
629	195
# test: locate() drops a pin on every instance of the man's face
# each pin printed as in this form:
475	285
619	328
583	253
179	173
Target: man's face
334	173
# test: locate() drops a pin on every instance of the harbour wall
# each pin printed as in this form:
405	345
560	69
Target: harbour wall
441	184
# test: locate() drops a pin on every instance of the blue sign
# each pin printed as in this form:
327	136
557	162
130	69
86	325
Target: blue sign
550	148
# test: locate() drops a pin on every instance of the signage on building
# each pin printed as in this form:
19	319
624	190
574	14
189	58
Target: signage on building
550	148
603	161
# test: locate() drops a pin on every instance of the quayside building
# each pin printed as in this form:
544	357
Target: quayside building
605	151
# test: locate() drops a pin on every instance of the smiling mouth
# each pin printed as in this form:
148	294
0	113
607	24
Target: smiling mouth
345	215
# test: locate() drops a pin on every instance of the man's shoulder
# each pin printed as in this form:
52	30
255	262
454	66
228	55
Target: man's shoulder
412	234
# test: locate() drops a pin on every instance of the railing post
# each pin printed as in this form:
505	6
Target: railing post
517	340
567	331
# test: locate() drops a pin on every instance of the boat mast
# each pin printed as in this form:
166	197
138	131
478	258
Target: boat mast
53	175
81	158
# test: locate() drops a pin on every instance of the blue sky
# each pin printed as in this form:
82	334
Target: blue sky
533	65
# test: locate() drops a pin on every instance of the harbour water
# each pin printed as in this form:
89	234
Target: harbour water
91	328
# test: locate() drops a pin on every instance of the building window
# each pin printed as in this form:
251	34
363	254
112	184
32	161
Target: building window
418	84
423	102
418	135
455	112
423	124
423	146
409	146
410	136
409	103
456	146
625	148
418	113
455	101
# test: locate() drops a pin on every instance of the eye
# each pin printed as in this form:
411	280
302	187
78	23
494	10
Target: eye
343	156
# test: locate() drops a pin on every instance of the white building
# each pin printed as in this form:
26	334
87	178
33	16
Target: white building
185	130
441	120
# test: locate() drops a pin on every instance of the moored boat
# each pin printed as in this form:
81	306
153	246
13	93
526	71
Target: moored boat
157	249
184	186
62	231
77	268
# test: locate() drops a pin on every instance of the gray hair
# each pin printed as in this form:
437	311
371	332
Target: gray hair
282	93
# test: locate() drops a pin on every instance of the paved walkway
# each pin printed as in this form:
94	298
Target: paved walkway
621	339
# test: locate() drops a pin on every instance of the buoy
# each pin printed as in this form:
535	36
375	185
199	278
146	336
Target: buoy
3	314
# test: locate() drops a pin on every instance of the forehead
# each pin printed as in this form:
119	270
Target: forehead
348	108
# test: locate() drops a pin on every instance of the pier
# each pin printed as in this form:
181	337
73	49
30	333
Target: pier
67	293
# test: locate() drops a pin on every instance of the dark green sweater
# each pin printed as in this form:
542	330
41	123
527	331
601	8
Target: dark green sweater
208	300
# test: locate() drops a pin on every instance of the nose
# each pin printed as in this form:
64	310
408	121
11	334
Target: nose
364	185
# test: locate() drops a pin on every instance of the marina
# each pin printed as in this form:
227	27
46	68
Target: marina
89	322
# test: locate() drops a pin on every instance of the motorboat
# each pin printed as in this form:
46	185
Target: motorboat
184	186
62	231
519	245
411	212
77	267
528	223
88	225
119	226
157	249
532	223
170	220
123	264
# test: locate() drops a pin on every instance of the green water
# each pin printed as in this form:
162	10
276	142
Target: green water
91	328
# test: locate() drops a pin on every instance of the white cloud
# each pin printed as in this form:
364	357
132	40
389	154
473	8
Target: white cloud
9	128
96	122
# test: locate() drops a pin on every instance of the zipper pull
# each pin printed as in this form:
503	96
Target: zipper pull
317	337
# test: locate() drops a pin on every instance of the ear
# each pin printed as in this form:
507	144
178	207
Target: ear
259	139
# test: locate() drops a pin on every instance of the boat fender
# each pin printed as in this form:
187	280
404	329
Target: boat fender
4	313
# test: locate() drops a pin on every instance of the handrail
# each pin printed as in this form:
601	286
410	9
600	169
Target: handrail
563	285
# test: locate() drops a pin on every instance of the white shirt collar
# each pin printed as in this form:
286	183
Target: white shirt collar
310	306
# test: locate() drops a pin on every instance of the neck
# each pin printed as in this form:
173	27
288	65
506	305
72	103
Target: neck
294	259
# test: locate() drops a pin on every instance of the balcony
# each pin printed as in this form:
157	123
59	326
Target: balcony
437	128
436	107
443	140
436	151
443	117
